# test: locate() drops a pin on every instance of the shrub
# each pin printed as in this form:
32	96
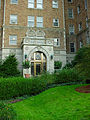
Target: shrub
18	86
57	65
68	75
7	112
8	67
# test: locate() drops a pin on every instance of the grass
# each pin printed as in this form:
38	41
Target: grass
59	103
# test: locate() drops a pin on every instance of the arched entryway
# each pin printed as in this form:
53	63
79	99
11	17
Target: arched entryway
38	63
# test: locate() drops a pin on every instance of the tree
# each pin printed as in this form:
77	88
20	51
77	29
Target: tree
9	67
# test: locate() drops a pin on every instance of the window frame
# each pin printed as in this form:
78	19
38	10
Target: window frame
53	4
32	21
57	43
12	19
14	2
38	3
32	3
69	12
39	21
71	32
13	36
72	47
80	26
54	22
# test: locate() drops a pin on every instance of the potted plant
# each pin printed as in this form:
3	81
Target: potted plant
26	66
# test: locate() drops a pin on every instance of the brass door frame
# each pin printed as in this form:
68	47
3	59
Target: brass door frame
39	62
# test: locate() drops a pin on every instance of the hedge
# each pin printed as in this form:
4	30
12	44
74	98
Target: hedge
18	86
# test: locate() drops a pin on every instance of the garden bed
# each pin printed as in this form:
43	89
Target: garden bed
83	89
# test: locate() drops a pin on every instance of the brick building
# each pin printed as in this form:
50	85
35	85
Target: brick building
43	31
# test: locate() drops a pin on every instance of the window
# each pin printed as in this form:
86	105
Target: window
85	4
72	47
31	21
71	29
13	19
78	9
81	44
30	3
39	21
70	13
56	22
70	1
13	40
39	4
87	22
56	42
14	1
55	4
80	26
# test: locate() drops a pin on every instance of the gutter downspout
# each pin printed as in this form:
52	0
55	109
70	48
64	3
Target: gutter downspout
64	26
3	25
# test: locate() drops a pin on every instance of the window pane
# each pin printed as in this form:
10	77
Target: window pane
56	22
30	3
14	1
13	19
31	21
39	21
12	40
55	4
70	13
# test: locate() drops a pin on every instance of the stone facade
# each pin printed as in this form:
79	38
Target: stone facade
53	41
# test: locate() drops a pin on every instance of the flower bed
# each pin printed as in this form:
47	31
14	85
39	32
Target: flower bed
83	89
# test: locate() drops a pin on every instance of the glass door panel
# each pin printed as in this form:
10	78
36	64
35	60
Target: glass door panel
38	69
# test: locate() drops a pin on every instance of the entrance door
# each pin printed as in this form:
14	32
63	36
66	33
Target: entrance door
38	63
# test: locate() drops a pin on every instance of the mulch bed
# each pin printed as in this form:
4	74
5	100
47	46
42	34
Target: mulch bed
17	100
83	89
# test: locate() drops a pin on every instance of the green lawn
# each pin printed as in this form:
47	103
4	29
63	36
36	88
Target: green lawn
59	103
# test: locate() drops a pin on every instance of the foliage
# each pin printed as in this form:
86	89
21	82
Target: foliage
68	75
59	103
26	64
57	65
18	86
83	61
8	67
7	112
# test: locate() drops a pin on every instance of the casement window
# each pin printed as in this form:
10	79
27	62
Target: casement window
0	4
13	40
55	3
70	13
80	26
13	19
71	29
30	21
30	3
78	9
56	42
87	22
39	4
70	1
39	21
14	1
56	22
85	4
72	47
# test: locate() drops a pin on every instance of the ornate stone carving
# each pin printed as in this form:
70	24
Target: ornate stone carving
40	33
30	33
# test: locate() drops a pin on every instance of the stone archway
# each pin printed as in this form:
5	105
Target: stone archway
42	64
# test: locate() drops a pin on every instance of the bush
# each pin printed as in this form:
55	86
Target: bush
18	86
68	75
7	112
8	67
57	65
14	87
